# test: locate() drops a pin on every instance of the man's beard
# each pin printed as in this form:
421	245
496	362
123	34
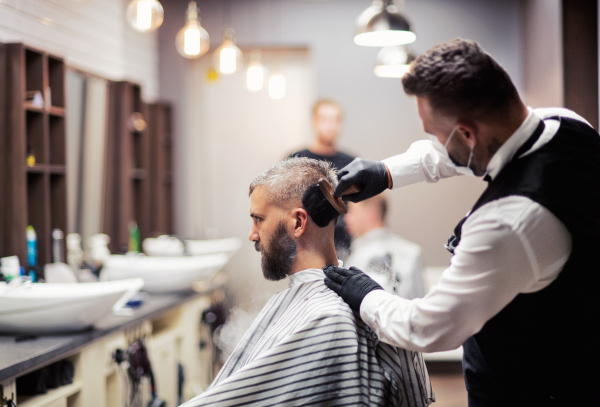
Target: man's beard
278	260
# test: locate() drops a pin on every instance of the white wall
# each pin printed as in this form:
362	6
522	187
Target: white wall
542	53
90	34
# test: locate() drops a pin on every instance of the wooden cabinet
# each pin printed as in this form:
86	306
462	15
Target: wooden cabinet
127	189
33	193
161	169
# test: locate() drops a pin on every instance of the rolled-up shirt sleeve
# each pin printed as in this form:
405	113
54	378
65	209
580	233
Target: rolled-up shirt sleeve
421	162
509	246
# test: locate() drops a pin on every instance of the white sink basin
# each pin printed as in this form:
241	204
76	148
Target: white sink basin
49	308
171	246
163	274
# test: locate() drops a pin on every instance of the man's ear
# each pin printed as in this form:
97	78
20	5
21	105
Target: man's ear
469	131
300	219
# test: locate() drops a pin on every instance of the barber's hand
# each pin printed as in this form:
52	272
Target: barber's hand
372	176
352	285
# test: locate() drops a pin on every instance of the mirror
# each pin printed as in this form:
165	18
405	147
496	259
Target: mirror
86	111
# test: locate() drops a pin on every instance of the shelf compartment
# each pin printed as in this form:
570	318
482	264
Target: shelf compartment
37	207
34	123
58	203
56	81
137	149
57	140
52	396
34	71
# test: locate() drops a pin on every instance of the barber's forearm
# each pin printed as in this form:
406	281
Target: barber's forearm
404	323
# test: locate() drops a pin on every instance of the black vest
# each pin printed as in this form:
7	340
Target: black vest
543	346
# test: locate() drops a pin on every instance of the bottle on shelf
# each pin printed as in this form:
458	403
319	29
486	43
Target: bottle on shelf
134	237
57	249
30	157
31	246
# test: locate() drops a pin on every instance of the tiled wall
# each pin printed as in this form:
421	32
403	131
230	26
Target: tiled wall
91	35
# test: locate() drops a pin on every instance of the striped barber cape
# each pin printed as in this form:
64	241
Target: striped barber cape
307	348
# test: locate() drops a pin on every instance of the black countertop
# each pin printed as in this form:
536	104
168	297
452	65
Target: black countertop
21	354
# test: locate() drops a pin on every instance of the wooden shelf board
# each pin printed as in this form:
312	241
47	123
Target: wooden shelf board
139	173
57	169
30	107
50	397
37	169
57	111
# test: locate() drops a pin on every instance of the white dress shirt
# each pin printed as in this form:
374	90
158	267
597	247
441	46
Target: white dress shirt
509	246
395	263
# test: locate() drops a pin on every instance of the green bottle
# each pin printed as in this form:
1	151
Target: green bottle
134	238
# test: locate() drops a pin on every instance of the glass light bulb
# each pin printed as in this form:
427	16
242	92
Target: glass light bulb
391	71
277	86
227	60
144	15
255	76
384	38
192	41
393	62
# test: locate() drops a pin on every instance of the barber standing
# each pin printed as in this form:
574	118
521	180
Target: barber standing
521	292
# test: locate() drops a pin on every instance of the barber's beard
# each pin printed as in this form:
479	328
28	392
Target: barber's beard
278	258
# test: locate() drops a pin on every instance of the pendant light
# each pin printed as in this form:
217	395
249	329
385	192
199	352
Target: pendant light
228	56
192	41
277	85
382	25
393	62
255	74
144	15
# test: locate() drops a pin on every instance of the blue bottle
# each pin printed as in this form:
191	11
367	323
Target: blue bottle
31	246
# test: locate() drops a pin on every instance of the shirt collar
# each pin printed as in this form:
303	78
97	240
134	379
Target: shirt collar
370	235
507	150
308	275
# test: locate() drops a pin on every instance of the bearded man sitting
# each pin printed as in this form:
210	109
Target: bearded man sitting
306	346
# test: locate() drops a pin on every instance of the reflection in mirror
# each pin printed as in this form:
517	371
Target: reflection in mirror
86	146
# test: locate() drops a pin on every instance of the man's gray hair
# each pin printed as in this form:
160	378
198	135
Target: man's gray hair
289	179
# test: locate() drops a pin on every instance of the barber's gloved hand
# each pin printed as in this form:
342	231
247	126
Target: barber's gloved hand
352	284
372	176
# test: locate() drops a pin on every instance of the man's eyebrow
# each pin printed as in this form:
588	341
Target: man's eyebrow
257	215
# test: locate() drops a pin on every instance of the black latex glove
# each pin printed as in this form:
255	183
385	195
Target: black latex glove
372	176
352	285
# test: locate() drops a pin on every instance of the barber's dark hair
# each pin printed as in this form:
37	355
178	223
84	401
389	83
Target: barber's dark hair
459	78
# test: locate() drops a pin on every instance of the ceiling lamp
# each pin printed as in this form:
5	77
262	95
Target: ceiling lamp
277	86
228	56
393	62
192	41
382	25
145	15
256	72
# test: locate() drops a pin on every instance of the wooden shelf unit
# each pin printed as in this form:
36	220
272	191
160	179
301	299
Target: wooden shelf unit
31	195
127	189
161	170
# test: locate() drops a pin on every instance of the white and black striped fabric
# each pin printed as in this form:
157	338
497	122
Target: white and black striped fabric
307	348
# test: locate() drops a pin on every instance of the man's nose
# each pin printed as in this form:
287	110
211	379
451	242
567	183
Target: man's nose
253	236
